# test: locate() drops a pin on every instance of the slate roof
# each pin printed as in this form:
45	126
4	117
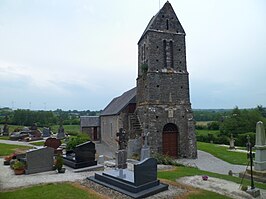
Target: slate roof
89	121
155	20
119	103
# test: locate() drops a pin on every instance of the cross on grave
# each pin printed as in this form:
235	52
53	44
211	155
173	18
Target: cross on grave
146	139
145	151
121	139
121	154
253	191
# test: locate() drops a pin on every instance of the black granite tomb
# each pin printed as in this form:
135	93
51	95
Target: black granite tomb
82	156
141	183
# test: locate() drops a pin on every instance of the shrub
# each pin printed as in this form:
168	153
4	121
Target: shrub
220	139
200	127
213	125
18	165
165	159
241	139
59	162
144	68
74	141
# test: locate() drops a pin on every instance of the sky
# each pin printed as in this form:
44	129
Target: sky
80	54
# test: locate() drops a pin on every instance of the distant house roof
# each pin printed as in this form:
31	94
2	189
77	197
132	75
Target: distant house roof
119	103
89	121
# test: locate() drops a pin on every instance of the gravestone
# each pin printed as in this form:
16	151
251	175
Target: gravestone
134	147
121	159
121	154
140	183
61	132
39	160
260	146
33	127
55	144
46	132
82	156
145	151
34	135
232	142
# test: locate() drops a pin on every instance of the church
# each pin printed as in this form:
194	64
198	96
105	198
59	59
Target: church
160	103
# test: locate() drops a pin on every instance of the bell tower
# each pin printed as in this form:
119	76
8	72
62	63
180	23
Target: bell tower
163	102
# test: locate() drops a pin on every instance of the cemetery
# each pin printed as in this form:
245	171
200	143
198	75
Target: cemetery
140	178
144	144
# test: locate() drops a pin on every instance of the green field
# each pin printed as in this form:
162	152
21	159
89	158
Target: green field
222	152
206	132
203	123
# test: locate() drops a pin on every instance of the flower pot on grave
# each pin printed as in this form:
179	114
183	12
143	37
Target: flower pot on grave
19	171
62	170
7	162
205	178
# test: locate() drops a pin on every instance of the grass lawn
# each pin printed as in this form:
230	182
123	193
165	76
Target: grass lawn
7	149
4	137
203	194
222	153
188	171
41	143
51	191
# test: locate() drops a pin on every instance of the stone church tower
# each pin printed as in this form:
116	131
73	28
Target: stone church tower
163	102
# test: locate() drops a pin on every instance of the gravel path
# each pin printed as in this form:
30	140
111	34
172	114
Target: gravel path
208	162
17	143
9	181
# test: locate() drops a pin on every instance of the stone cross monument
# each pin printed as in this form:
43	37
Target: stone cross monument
121	154
232	142
260	146
145	150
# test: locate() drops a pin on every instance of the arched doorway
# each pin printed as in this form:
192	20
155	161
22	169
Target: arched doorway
170	138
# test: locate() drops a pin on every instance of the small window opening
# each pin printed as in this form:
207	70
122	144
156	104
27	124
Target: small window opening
158	86
167	24
157	116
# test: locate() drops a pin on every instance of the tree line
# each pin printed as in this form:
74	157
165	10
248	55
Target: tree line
238	123
27	117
